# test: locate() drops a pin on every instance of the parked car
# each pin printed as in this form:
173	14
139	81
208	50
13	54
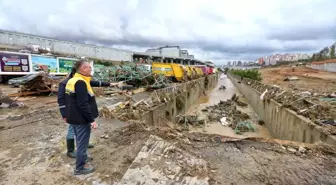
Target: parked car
16	82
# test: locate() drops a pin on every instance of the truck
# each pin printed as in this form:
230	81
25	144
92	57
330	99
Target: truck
204	68
174	72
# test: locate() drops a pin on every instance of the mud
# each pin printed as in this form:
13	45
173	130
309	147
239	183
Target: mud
234	107
32	141
34	153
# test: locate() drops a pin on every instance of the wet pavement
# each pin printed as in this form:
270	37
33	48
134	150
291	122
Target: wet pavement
214	97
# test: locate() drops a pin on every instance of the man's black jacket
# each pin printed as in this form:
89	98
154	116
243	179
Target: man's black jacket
61	93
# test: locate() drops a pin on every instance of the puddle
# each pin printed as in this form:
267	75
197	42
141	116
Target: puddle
214	97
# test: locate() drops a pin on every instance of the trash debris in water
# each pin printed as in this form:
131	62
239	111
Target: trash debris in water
222	87
244	127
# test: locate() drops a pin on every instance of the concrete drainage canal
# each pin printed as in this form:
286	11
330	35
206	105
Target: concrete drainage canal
217	138
224	111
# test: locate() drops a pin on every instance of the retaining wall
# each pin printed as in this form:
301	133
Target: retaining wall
191	91
282	123
329	66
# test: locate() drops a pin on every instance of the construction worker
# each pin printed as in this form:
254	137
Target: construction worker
70	139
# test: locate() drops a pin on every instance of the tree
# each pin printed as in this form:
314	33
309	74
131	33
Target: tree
332	51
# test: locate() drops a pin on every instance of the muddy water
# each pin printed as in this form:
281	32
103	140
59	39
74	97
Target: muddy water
214	97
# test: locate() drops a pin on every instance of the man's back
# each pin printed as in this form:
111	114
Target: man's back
80	101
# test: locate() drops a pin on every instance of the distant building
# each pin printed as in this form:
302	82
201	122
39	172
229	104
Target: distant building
239	63
184	53
154	51
287	57
261	61
170	51
228	63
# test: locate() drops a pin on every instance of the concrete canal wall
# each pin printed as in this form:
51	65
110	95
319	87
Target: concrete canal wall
179	99
282	123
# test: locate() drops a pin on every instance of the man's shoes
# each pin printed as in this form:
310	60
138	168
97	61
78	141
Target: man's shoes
85	170
71	154
90	145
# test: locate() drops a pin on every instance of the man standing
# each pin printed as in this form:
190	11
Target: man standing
70	138
81	112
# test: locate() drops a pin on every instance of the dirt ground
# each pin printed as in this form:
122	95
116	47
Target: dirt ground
32	141
309	79
33	152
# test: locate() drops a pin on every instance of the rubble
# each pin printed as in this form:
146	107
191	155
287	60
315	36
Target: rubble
129	109
133	75
7	102
304	103
193	120
227	114
41	83
235	98
244	126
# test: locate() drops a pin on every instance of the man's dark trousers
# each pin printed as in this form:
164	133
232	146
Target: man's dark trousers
82	134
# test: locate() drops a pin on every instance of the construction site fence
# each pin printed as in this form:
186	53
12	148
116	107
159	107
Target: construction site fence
324	66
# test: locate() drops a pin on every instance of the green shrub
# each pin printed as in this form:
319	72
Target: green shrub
253	74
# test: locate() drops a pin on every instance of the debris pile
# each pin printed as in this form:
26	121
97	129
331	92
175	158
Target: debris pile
228	110
225	112
193	120
235	98
305	103
222	87
129	109
41	83
132	75
244	126
123	111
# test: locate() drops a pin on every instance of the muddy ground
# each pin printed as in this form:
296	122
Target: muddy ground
309	79
33	152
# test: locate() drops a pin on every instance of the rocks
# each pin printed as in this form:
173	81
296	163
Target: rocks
104	136
302	149
291	78
293	150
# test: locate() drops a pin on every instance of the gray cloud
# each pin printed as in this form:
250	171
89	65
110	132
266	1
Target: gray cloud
212	30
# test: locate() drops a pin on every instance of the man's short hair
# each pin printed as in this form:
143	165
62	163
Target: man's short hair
79	64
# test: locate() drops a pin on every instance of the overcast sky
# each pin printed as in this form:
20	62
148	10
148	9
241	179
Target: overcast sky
217	30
